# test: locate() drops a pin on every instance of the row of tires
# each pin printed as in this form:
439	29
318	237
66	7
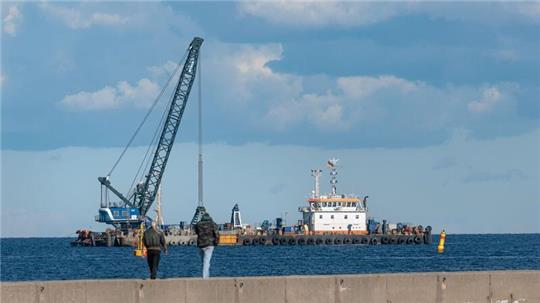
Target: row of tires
183	243
331	240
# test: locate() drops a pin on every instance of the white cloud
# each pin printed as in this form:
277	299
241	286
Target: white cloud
140	95
239	80
362	86
360	13
11	20
79	17
490	97
320	13
163	70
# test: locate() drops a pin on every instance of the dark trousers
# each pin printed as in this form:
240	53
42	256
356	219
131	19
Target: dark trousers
153	262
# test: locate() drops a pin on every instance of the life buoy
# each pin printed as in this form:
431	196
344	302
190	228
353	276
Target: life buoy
329	241
418	240
356	240
310	241
292	241
374	241
384	240
301	241
393	240
282	241
191	242
246	241
275	240
400	240
172	243
409	240
319	241
338	241
255	241
262	241
365	240
347	241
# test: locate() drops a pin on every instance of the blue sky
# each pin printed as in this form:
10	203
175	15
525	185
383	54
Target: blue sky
433	108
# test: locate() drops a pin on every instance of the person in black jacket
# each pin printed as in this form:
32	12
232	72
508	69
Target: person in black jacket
154	241
207	238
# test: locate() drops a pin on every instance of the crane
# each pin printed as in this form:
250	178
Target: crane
132	210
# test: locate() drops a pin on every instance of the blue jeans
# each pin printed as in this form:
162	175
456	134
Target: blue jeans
206	255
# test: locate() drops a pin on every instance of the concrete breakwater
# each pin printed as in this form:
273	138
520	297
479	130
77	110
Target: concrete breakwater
488	286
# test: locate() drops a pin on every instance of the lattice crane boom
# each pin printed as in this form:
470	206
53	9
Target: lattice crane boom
145	193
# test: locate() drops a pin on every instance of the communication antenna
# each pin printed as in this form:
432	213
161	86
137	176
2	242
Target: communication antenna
332	164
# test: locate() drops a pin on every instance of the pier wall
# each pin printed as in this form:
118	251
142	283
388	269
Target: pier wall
489	286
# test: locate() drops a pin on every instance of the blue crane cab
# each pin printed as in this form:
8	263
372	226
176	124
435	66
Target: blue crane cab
115	215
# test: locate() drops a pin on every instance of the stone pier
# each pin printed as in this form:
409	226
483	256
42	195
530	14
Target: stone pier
438	287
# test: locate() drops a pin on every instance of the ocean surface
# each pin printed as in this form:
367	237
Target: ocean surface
24	259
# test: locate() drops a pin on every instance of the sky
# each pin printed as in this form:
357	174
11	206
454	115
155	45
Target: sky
433	109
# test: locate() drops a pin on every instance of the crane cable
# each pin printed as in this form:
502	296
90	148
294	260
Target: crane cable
148	114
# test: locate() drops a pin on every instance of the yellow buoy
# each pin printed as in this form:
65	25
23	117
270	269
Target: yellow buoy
141	250
440	248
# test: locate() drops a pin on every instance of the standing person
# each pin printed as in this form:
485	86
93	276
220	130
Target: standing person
154	241
207	238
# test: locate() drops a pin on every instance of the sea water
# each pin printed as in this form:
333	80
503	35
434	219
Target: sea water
25	259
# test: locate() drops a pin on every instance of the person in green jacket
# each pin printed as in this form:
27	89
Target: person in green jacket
154	241
207	238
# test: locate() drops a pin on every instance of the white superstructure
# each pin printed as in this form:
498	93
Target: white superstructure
334	213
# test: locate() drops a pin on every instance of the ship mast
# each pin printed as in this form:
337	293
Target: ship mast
317	174
332	163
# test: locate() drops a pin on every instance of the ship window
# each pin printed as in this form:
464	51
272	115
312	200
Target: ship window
357	216
334	204
332	217
354	204
124	213
320	216
345	217
324	204
348	204
116	213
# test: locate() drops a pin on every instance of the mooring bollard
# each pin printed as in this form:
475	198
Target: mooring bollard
440	248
